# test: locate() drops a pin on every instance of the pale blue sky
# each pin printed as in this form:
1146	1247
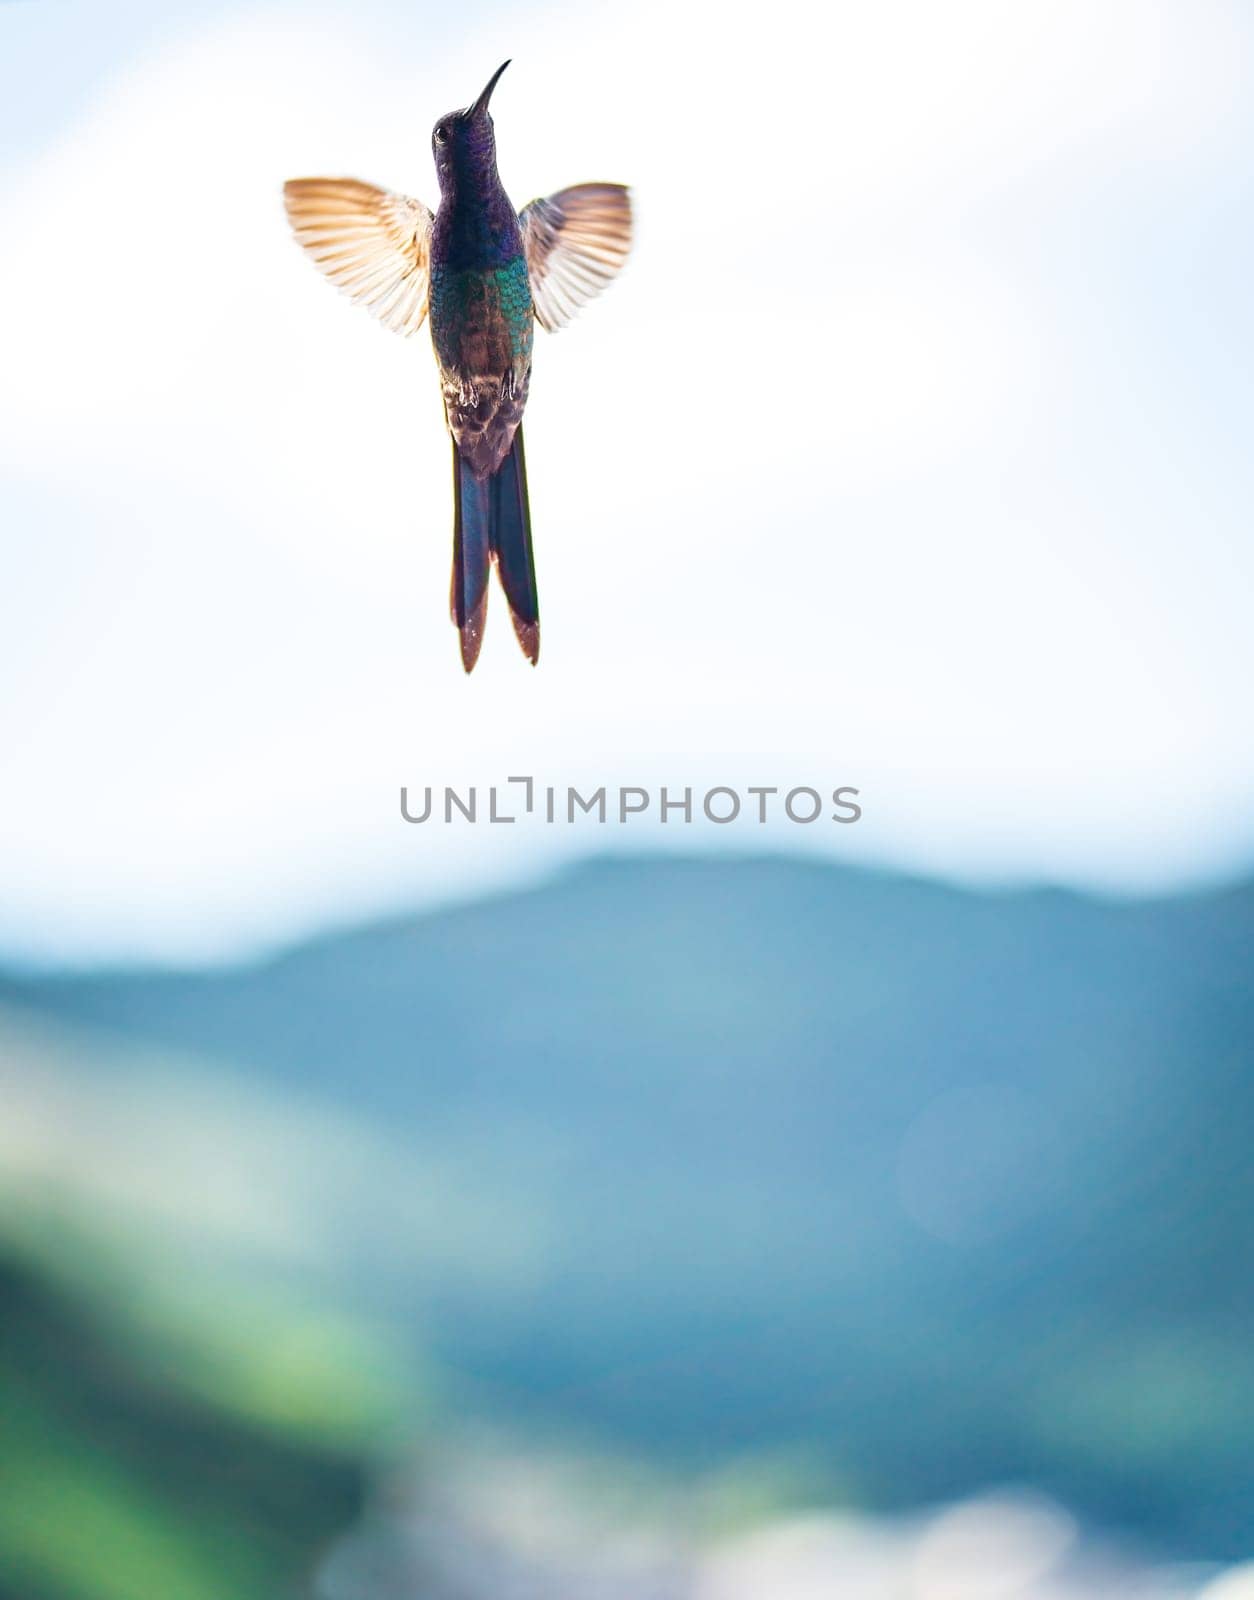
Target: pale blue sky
911	450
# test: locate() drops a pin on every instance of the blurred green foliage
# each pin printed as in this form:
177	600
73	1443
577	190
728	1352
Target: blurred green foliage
142	1460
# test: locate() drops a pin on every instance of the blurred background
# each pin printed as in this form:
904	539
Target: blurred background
655	1211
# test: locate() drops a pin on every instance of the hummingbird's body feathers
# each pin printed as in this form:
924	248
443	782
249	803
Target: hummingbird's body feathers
575	241
482	326
485	275
374	245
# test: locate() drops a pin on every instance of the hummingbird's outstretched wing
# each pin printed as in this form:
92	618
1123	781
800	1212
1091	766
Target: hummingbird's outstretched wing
372	244
575	241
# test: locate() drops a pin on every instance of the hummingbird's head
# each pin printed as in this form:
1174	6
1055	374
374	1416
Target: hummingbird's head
463	142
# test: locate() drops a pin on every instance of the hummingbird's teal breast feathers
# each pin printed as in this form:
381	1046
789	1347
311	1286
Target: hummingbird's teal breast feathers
482	327
482	319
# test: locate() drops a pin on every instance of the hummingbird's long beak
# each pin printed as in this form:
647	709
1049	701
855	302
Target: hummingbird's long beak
481	104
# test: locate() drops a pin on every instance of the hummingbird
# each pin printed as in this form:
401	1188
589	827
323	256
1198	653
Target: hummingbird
485	275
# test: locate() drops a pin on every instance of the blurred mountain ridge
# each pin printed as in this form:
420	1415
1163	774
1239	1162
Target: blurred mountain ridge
950	1186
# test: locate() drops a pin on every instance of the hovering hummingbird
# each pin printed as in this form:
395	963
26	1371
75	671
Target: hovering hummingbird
486	273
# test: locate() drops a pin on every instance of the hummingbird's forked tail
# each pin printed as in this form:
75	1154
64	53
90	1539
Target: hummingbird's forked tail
492	522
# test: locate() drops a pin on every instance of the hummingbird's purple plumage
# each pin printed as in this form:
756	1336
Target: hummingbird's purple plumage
487	275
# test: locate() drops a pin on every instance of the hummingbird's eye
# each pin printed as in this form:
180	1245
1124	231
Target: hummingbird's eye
441	134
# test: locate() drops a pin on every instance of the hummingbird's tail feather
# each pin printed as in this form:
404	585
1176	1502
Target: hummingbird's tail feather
472	552
510	533
492	522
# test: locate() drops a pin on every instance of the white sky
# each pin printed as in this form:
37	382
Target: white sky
911	451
